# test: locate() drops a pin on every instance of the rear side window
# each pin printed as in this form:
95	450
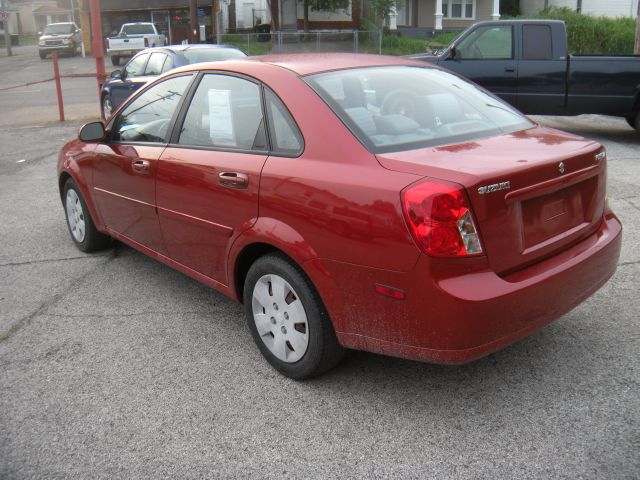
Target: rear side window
285	136
168	64
536	42
226	112
154	66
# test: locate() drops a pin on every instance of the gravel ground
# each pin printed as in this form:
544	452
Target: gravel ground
115	366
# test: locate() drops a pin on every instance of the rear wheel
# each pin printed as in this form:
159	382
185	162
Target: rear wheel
81	227
43	55
287	319
115	61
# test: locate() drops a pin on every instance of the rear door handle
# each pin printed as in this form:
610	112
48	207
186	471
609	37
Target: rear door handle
141	166
509	68
233	179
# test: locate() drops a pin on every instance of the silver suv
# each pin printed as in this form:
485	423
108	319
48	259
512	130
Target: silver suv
63	37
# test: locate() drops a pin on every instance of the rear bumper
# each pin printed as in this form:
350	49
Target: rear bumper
122	53
456	318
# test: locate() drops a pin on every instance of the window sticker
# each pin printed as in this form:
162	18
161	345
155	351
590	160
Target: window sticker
220	118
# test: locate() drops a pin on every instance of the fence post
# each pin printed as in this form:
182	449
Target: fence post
317	41
380	32
355	41
56	76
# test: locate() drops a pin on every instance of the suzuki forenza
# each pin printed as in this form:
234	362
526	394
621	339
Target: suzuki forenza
349	201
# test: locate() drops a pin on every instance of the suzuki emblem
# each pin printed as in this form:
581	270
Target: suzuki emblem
561	167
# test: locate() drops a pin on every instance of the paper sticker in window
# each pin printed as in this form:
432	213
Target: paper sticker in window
220	118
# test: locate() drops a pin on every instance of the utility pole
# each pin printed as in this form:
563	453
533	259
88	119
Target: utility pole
215	8
5	22
636	50
193	21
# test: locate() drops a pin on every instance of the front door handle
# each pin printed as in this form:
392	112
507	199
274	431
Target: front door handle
233	179
509	68
141	166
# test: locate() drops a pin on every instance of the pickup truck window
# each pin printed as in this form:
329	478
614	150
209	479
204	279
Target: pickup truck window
138	29
536	42
492	41
136	66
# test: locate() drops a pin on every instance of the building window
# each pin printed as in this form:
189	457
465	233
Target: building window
459	9
330	5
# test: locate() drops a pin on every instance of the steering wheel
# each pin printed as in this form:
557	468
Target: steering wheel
400	102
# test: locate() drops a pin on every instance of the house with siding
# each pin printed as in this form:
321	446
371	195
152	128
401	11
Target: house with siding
607	8
433	15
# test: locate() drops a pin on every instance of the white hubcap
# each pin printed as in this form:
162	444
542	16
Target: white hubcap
280	318
75	215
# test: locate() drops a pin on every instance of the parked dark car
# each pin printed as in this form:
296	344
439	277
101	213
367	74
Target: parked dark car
527	63
151	62
62	37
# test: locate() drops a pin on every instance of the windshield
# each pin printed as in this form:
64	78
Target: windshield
64	29
199	55
403	108
138	29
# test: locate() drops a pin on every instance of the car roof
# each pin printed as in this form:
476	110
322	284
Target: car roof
60	23
196	46
310	63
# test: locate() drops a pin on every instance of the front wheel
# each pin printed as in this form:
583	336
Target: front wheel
115	61
81	227
287	319
43	55
633	119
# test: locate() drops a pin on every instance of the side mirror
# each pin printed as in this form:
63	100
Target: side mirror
116	74
92	132
452	53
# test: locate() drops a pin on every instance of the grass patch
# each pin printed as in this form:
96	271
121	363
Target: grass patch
247	43
399	45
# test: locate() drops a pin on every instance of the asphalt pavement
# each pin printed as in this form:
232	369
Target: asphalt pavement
115	366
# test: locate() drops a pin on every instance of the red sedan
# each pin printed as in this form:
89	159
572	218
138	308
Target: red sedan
349	201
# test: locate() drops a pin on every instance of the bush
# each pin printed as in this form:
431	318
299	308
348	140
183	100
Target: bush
588	34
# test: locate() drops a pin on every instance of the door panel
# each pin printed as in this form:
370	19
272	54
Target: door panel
125	191
198	214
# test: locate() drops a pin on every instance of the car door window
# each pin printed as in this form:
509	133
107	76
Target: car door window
147	117
136	66
284	133
536	42
154	65
226	112
490	42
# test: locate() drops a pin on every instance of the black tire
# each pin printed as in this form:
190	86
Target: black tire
43	55
323	351
115	61
93	240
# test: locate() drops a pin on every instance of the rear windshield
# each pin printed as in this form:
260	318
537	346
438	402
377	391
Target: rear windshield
403	108
137	29
58	29
199	55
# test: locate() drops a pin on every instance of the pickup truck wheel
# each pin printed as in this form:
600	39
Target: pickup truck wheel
287	319
43	55
633	119
81	227
115	61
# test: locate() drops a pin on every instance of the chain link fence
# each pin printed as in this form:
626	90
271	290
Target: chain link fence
299	42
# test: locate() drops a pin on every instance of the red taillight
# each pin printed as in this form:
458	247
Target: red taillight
439	218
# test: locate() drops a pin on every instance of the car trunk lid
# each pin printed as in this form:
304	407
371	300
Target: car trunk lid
533	192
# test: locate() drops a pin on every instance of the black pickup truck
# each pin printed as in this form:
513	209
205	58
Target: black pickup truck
526	62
